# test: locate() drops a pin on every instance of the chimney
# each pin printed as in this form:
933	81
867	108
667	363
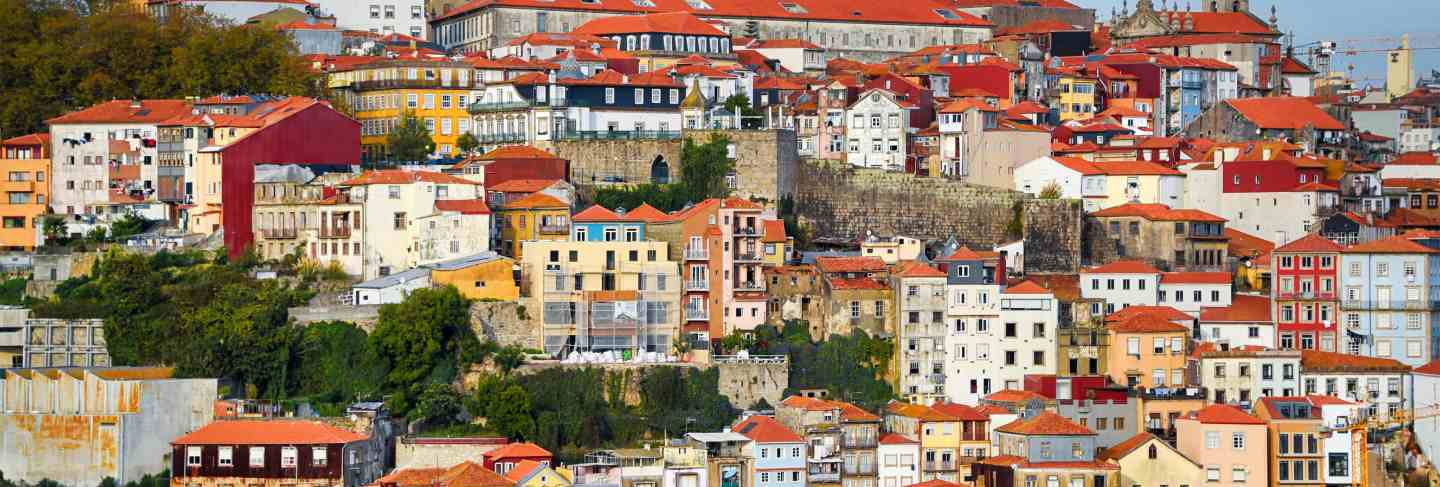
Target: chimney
1000	269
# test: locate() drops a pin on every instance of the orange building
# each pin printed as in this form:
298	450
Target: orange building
26	160
1148	350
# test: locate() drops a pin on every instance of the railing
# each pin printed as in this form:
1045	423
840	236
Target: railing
697	314
866	469
867	441
335	232
938	379
824	477
555	229
278	233
747	231
932	466
383	84
500	138
1192	85
1383	305
499	106
697	285
750	286
748	257
697	254
966	460
618	135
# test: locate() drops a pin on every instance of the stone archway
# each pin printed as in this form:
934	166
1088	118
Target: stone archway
659	170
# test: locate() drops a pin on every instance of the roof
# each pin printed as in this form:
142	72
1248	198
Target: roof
401	176
764	429
42	138
126	111
515	152
394	279
774	231
854	284
1157	212
1244	308
1165	312
1045	423
269	432
850	264
464	474
1320	361
914	268
536	200
1416	159
1310	243
923	12
966	104
522	470
466	261
895	439
468	207
1125	447
646	212
1224	414
961	411
597	213
1026	287
1284	113
937	483
1145	323
851	412
1391	245
663	23
522	185
1014	395
1195	278
784	44
1432	368
1245	245
1116	168
921	412
518	450
809	403
1124	267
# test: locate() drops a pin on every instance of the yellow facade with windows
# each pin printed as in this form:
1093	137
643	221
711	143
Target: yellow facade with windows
1076	98
381	92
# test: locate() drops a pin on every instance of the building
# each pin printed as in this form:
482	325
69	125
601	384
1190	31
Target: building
537	108
1178	239
899	463
1231	445
659	40
537	217
1312	441
842	439
466	474
778	454
108	422
938	435
1102	185
57	342
598	296
400	17
718	241
294	212
27	162
1425	398
1045	448
922	331
1240	376
1145	460
1307	293
415	217
885	32
381	92
879	121
502	460
274	451
1379	385
1093	401
1386	285
1148	351
1247	322
1290	118
976	147
83	143
483	276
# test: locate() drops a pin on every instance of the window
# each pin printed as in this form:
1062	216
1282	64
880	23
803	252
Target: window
1237	474
1237	441
318	456
257	456
192	456
1212	473
289	457
1212	439
226	457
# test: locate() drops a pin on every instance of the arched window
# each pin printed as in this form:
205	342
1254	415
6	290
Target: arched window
659	171
1154	452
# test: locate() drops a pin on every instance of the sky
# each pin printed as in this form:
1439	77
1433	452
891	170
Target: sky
1364	23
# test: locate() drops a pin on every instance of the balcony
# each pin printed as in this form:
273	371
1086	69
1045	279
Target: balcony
697	285
499	106
696	314
937	379
335	232
941	466
752	257
699	253
747	231
859	469
830	477
1385	305
17	186
618	135
555	229
754	286
278	233
500	138
386	84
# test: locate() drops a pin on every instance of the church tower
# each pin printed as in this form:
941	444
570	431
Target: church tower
1399	69
1239	6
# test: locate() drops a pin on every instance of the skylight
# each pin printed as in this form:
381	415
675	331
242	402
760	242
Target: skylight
946	14
698	4
793	8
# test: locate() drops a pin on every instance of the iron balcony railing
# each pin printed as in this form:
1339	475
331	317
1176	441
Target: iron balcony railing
618	135
278	233
697	285
499	106
697	254
1383	305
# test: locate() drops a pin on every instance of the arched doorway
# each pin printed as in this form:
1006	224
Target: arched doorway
659	170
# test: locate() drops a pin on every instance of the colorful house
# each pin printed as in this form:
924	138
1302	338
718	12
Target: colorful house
1386	288
1306	293
1229	444
598	224
1148	351
778	454
506	458
1147	460
538	216
1045	449
27	161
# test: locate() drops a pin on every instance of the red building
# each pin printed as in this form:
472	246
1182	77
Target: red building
1271	176
305	132
273	453
907	90
513	162
502	459
1304	289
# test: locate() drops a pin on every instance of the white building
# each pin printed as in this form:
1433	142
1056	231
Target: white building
795	55
1121	284
1240	377
390	289
1247	321
1378	384
377	16
923	329
996	353
1191	291
1279	216
1425	402
879	123
404	214
899	459
84	143
1103	184
1418	139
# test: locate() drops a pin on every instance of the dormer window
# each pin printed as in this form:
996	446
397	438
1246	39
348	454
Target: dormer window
793	8
698	4
643	3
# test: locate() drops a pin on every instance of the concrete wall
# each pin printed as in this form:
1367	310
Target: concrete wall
745	382
765	160
442	452
505	323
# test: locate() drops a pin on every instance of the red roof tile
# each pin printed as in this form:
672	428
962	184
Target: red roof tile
1310	243
1045	423
911	268
468	207
1320	361
842	10
1195	278
645	212
1165	312
1392	245
853	413
1125	447
1145	323
1157	212
269	432
401	176
829	264
535	200
662	23
1224	414
1123	267
1014	396
42	138
596	213
1246	245
859	283
1284	113
784	44
1244	308
515	152
961	411
1432	368
121	111
522	469
1416	159
764	429
774	231
895	439
518	450
1026	287
522	185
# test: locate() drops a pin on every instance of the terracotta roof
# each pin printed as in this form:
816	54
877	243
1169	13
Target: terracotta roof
991	410
912	268
269	432
764	429
468	207
1310	243
401	176
1416	159
784	44
522	185
966	104
42	138
1123	267
1246	245
646	212
1195	278
1045	423
1224	414
741	203
1145	323
662	23
1026	108
1244	308
464	474
1165	312
896	439
1134	168
937	483
518	450
1285	113
963	253
1042	26
923	413
1120	111
1432	368
1125	447
845	10
121	111
535	200
522	469
774	231
1015	395
515	152
1157	212
1026	287
1392	245
809	403
858	283
960	411
1320	361
851	412
597	213
849	264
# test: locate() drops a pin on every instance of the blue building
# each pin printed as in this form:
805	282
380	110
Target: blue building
1390	288
777	454
598	224
1042	450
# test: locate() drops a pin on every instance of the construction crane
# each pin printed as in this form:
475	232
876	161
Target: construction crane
1319	54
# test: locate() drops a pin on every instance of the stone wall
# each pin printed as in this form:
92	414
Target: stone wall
1054	231
746	381
765	160
506	323
363	316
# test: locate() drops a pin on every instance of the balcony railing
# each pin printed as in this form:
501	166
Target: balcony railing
697	254
932	466
749	257
385	84
750	286
824	477
697	285
859	469
696	314
278	233
500	138
618	135
499	106
747	231
335	232
1383	305
555	229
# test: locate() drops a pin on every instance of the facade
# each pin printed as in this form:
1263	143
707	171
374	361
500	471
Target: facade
380	93
56	342
1145	460
599	296
938	434
291	217
27	162
1045	448
899	463
1241	376
536	108
976	148
1306	294
271	452
100	433
1379	385
1229	444
1148	351
1312	441
879	121
537	217
719	243
397	17
659	40
412	218
1103	185
1247	322
778	454
1386	286
1188	240
922	331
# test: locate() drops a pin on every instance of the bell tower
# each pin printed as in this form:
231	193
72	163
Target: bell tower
1240	6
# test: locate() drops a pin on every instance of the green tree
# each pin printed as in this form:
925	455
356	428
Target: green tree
438	406
705	167
1050	192
424	339
509	358
509	414
410	141
126	226
749	117
56	231
467	142
335	362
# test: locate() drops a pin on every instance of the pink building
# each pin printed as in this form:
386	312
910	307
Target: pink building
1230	446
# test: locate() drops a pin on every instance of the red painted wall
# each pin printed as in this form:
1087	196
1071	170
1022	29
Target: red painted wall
317	135
501	170
995	79
1313	300
921	97
1275	176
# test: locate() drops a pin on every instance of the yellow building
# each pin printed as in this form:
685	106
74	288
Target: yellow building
530	473
777	244
1147	461
603	295
27	165
538	216
1074	95
381	92
483	276
940	436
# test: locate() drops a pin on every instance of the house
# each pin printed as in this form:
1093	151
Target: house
1312	440
973	437
976	147
1425	388
1307	291
1385	285
778	454
1179	239
1380	385
922	331
1291	118
271	452
112	422
1154	352
598	296
842	438
27	160
938	435
483	276
1241	375
879	124
502	193
463	474
999	334
659	40
415	217
511	162
856	295
1102	185
382	90
1252	192
1119	285
1246	322
719	242
1146	460
566	106
297	211
504	459
1092	401
1192	291
1045	447
899	460
537	217
1231	445
794	55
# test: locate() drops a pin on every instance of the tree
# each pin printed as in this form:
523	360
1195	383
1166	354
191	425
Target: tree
509	358
410	141
749	117
56	230
438	406
126	226
509	414
1050	192
467	142
424	339
705	167
335	362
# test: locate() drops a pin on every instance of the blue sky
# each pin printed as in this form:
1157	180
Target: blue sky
1339	20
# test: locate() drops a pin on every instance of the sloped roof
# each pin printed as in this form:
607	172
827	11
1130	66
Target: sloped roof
535	200
1224	414
41	138
1244	308
774	231
1026	287
122	111
921	412
646	212
663	23
1165	312
522	185
1284	113
518	450
1045	423
1310	243
857	283
960	411
911	268
1432	368
1157	212
401	176
896	439
1015	395
468	207
597	213
764	429
849	264
1125	447
515	152
1321	361
1146	323
267	432
1391	245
